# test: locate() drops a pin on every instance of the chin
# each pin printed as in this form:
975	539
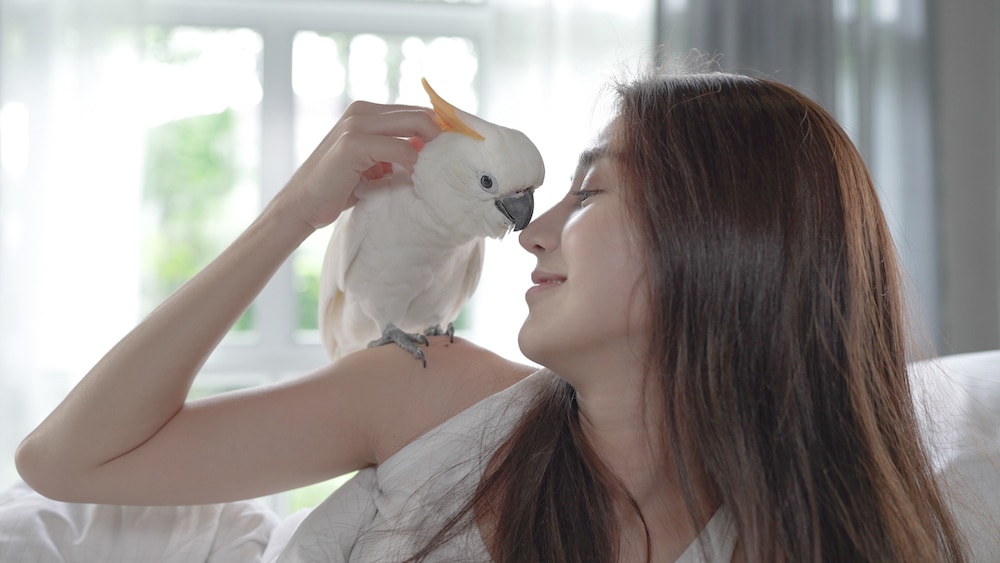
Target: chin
545	348
530	345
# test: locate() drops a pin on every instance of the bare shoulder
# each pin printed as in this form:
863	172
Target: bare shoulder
413	399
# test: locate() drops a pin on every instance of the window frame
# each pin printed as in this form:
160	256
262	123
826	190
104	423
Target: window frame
278	349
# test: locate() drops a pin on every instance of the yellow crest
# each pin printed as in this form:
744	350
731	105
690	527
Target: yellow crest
446	115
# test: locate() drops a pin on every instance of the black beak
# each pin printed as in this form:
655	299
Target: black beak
518	207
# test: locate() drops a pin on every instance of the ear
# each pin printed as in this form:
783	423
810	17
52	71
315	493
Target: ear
446	115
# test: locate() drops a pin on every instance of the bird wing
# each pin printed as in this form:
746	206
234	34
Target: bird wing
468	285
334	322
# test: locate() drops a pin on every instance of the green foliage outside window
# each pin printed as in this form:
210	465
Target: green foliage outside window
308	296
189	177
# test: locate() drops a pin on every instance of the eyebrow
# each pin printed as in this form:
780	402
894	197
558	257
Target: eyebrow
588	156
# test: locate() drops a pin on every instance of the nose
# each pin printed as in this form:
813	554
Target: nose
542	234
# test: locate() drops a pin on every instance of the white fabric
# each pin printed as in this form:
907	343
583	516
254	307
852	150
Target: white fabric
384	514
716	542
36	529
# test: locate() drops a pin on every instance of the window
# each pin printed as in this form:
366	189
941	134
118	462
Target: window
331	69
87	103
232	105
201	181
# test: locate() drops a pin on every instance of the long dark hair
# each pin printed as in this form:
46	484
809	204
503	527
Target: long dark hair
778	341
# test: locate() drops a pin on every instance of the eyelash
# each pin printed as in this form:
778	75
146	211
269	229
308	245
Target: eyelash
583	195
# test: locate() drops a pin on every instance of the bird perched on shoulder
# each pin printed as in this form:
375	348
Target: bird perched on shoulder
404	260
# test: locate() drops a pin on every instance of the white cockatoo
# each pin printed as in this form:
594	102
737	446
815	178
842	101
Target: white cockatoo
404	260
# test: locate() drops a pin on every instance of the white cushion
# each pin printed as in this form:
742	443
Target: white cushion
958	398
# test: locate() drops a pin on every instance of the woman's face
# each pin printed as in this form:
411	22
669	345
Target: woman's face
588	304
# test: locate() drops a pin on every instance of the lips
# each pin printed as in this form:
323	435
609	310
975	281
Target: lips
542	278
543	281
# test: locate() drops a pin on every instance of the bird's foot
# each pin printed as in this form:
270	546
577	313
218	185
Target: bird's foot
436	330
407	341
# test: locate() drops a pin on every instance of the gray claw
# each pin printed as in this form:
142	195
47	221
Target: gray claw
436	330
406	341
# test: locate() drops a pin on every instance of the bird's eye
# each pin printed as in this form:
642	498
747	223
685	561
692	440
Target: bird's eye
487	182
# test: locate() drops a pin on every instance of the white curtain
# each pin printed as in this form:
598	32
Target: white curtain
72	146
550	63
71	161
870	64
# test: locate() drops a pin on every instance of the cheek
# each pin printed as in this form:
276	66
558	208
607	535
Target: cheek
634	291
610	264
628	261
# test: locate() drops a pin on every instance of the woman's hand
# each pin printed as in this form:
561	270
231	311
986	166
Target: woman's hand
362	146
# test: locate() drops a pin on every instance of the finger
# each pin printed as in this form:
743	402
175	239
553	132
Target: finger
378	171
403	123
429	127
366	153
361	107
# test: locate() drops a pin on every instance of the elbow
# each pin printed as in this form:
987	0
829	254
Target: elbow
38	470
28	463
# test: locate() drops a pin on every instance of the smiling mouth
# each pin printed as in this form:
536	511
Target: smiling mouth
542	279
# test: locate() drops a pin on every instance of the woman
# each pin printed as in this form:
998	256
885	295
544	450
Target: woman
717	307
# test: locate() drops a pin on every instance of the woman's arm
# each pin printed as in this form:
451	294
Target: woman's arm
125	434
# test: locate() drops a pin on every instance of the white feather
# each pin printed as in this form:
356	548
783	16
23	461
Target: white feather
410	252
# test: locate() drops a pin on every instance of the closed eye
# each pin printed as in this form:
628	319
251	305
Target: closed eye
584	195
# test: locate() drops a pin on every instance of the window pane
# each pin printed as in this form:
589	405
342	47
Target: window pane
202	95
329	70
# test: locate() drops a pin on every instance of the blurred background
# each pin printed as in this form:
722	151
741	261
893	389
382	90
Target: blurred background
138	137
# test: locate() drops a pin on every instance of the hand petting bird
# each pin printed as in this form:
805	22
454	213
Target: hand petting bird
404	260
